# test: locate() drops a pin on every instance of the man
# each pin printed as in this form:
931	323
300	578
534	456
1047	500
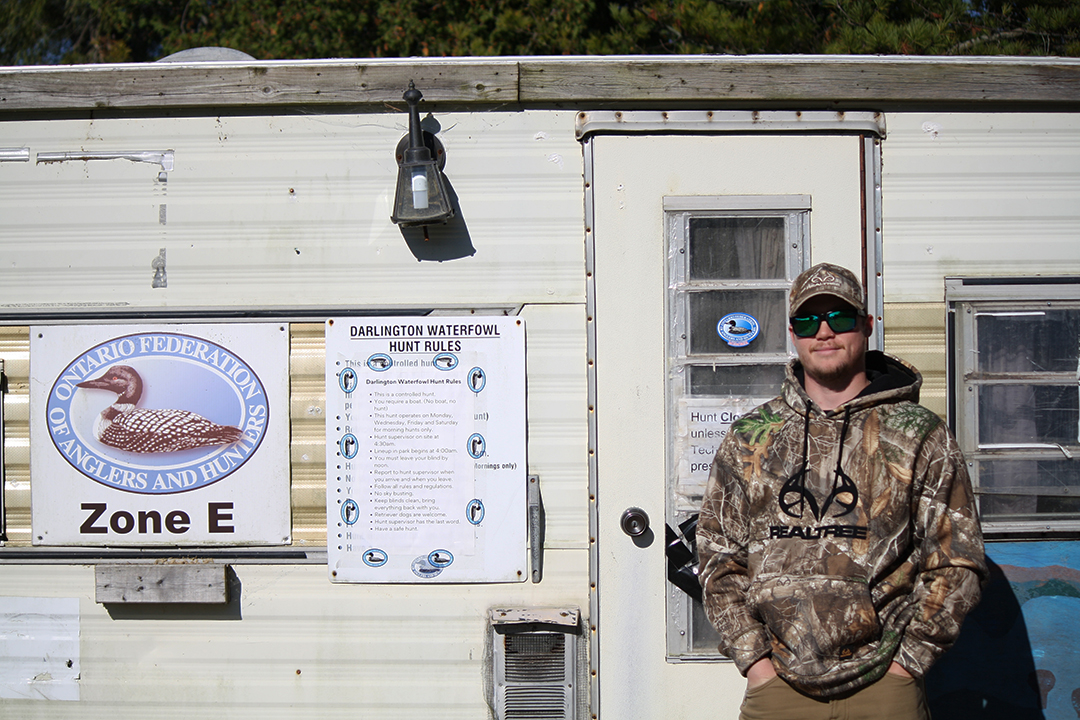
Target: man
838	540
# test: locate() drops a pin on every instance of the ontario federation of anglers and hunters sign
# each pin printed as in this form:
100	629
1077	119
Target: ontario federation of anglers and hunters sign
159	435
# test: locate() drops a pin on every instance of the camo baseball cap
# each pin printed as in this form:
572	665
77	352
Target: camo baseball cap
827	279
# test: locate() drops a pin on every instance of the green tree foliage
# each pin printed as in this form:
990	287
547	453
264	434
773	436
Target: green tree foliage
707	26
955	27
78	31
498	27
267	29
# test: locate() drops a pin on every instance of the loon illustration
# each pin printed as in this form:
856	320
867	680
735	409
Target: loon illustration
735	329
141	430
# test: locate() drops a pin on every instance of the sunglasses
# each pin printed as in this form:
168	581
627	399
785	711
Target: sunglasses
840	321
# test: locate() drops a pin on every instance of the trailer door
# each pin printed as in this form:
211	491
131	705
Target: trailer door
693	241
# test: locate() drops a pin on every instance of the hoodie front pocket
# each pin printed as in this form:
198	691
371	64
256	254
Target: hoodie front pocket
818	619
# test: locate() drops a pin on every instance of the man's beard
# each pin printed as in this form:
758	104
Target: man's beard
838	374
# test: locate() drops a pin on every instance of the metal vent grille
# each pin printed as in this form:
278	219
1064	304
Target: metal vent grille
535	670
523	703
535	657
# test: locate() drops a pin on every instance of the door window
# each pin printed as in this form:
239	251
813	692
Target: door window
732	261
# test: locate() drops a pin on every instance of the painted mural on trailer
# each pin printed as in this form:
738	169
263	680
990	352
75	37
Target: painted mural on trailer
1017	656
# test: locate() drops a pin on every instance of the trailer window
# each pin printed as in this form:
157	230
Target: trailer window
1015	389
732	260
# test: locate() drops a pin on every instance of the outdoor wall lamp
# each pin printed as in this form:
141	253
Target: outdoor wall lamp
421	197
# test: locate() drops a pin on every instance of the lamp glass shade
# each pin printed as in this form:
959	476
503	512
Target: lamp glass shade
421	197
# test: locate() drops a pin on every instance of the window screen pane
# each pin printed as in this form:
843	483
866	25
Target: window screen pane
1045	341
737	248
709	307
703	636
1029	489
736	380
1029	414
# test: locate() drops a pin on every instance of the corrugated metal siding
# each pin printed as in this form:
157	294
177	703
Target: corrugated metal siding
307	401
971	194
292	646
286	211
558	420
978	194
15	350
916	333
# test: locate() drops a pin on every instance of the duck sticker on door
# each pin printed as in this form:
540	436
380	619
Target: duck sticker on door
159	435
738	329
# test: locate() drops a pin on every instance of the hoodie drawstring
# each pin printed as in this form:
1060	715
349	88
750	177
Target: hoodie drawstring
841	482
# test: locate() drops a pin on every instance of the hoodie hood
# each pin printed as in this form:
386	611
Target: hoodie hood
891	380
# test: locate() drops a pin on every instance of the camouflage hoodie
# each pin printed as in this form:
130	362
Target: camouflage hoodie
839	541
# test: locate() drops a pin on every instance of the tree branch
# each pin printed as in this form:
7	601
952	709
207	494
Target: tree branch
989	37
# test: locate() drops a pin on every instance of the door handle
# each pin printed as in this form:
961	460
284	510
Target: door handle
634	522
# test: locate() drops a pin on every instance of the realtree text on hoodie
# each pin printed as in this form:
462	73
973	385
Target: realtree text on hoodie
836	542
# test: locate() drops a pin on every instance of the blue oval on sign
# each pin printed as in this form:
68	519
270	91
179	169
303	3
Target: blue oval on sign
477	379
375	557
350	512
440	558
349	446
380	362
474	511
476	446
445	361
347	380
157	413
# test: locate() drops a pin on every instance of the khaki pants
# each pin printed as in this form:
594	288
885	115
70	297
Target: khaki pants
891	698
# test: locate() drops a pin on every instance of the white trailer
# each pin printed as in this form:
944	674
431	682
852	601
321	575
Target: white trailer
619	208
